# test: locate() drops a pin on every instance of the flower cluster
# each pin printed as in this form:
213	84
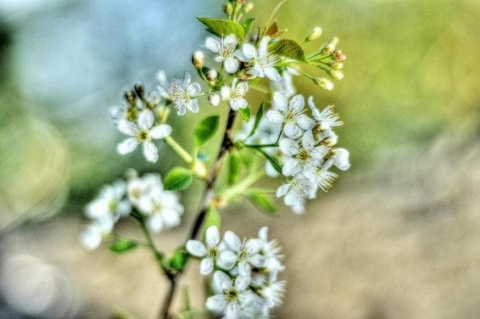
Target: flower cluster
245	273
142	197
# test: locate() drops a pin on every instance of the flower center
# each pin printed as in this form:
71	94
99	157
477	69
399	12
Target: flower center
143	135
303	155
212	252
231	294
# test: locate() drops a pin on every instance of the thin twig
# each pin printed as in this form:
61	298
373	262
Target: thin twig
207	198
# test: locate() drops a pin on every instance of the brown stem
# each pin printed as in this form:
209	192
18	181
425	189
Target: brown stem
207	198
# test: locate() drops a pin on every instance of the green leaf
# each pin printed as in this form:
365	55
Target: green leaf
245	113
177	178
258	118
205	130
263	201
212	218
223	27
276	165
289	49
234	167
179	259
122	245
248	25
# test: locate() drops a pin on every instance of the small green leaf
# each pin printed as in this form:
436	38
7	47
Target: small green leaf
289	49
248	25
223	27
262	201
177	178
212	218
245	113
276	165
258	118
234	167
205	130
179	259
122	245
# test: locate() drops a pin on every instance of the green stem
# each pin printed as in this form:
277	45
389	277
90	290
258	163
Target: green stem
179	149
242	186
260	89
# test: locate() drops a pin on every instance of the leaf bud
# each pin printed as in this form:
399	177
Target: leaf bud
324	83
214	99
315	34
198	59
212	75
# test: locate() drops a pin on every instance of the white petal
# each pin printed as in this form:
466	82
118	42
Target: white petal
231	65
253	245
257	260
236	104
155	223
206	266
181	110
280	101
225	92
90	238
212	236
242	88
249	51
282	190
297	103
213	44
162	78
193	89
341	160
186	79
230	41
305	122
216	303
161	131
307	140
291	167
274	116
222	280
192	105
272	73
262	47
127	146
233	241
145	119
127	128
292	130
196	248
226	259
288	146
150	152
233	311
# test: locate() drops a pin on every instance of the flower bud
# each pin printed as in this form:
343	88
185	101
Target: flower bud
228	8
324	83
214	99
315	34
198	59
336	74
337	65
139	90
339	56
199	169
130	97
330	141
212	75
330	46
248	7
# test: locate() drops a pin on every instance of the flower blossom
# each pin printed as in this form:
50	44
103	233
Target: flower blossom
142	133
225	49
235	95
262	63
181	92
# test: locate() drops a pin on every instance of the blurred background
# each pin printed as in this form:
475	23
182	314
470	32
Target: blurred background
398	235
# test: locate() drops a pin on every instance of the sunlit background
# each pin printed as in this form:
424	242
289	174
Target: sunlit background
397	237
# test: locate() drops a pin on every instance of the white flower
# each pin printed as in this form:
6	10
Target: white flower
285	84
235	95
290	114
271	251
91	237
295	191
340	159
327	118
139	188
304	157
233	298
162	209
208	252
245	254
323	178
272	291
111	201
142	133
181	92
225	48
262	63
